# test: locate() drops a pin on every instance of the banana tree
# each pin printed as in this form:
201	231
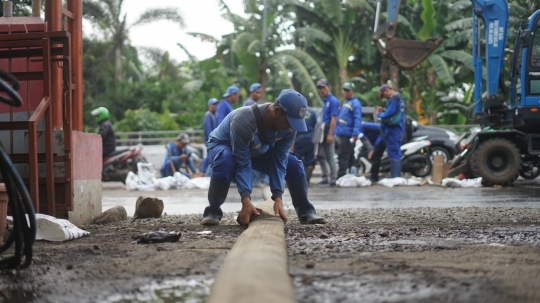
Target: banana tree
107	16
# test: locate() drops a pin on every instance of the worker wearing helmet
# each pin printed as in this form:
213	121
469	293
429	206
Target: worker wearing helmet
106	130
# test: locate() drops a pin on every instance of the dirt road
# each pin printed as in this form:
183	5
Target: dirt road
393	254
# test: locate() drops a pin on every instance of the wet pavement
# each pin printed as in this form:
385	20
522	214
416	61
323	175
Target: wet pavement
192	201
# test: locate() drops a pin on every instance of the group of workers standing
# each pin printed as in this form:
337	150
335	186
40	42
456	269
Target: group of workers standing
281	141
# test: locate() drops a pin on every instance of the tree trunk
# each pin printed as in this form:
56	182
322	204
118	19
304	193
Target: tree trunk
263	77
118	62
394	76
384	71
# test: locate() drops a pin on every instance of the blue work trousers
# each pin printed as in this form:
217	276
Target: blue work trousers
224	164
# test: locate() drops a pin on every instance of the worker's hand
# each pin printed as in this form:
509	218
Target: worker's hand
183	157
379	109
246	212
279	211
329	138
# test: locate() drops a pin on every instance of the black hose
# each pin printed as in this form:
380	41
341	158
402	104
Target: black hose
23	234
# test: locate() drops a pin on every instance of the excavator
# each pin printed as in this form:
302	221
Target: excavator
506	144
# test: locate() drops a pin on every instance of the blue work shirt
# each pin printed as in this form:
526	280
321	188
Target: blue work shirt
395	105
330	108
311	120
349	121
210	122
224	107
239	132
175	154
373	132
249	102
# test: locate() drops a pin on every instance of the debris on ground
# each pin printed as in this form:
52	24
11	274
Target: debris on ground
160	235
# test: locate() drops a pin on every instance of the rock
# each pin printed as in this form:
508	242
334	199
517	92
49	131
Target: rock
69	266
147	207
115	214
330	246
323	236
96	247
384	233
310	264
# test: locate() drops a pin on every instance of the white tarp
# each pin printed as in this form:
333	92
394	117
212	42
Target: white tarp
56	230
391	182
146	180
350	180
453	182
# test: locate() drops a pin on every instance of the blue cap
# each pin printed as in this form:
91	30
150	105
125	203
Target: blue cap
294	105
231	90
212	101
254	87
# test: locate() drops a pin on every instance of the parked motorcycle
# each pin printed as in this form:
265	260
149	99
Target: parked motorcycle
530	167
415	158
118	164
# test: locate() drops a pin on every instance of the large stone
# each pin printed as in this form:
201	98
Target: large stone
115	214
147	207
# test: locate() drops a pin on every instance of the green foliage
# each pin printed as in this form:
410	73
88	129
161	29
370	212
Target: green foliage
138	120
428	17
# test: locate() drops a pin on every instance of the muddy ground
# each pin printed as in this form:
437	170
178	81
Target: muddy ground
368	255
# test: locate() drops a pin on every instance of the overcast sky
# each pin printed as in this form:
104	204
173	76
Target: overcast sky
201	16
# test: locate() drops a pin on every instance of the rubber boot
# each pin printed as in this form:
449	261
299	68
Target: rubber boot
395	168
309	173
304	209
217	193
374	173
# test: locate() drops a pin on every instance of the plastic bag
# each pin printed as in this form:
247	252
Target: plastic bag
350	180
391	182
56	230
160	235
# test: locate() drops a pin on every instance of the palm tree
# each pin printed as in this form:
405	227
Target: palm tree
259	53
107	16
336	33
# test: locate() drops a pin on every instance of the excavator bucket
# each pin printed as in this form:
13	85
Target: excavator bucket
406	53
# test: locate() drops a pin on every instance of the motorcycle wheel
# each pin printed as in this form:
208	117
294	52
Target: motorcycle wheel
425	170
530	173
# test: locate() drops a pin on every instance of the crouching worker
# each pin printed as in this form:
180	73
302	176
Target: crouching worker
175	156
259	137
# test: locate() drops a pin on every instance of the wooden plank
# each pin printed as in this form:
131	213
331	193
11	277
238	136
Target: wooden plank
256	268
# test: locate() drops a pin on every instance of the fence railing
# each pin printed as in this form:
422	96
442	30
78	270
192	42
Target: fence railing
196	135
157	137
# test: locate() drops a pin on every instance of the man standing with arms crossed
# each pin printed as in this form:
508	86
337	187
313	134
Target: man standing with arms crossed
326	148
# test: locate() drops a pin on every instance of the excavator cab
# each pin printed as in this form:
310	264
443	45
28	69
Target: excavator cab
406	54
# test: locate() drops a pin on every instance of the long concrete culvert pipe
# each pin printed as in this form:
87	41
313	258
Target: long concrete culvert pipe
256	268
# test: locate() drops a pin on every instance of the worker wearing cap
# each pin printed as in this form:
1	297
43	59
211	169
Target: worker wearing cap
210	122
178	154
224	106
303	147
326	148
240	143
349	126
255	94
393	125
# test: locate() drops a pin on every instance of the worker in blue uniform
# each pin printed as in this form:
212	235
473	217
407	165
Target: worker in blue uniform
210	122
255	94
224	106
259	137
371	137
393	126
349	126
326	148
177	154
303	147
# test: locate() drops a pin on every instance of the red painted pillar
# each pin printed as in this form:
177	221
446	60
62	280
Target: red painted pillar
75	7
53	18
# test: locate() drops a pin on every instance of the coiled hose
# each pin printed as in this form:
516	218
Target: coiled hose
22	209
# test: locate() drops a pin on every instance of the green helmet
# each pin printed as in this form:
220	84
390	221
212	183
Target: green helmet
101	113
